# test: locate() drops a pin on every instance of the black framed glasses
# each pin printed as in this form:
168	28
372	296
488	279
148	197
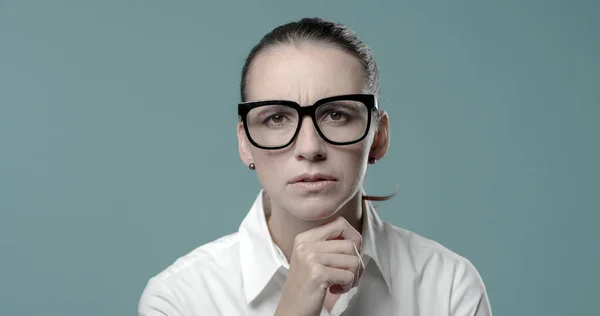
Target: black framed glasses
339	120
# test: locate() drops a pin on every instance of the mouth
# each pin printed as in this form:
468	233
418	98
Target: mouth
314	183
312	178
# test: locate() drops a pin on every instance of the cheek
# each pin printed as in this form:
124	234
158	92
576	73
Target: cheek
352	160
267	159
357	152
269	166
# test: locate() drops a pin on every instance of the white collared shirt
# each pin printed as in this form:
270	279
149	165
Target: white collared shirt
244	273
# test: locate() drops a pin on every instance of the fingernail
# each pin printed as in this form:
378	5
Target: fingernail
346	287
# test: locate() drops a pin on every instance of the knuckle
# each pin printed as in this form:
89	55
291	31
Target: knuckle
357	246
343	221
299	239
349	277
355	263
316	273
349	246
301	247
311	256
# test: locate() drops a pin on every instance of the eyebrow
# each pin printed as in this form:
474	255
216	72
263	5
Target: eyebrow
348	104
321	97
271	108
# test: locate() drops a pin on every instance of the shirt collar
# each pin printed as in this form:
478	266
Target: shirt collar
375	243
258	251
261	258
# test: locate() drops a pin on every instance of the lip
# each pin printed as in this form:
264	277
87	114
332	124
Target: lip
314	187
312	178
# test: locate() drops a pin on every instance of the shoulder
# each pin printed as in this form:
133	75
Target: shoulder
419	248
193	277
216	254
433	264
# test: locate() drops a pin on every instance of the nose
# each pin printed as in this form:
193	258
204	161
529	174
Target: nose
309	145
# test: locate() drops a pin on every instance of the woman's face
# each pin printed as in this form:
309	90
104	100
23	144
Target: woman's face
306	74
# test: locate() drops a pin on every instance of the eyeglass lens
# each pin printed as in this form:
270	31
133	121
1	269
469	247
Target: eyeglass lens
339	121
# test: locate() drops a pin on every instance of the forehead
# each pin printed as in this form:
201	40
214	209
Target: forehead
304	73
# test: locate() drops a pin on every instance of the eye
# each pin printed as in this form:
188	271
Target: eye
276	118
336	116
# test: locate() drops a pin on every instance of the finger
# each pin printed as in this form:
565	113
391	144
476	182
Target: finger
339	261
340	246
337	246
352	263
331	276
336	229
361	267
337	289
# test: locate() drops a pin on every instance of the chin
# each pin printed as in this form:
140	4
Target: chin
315	208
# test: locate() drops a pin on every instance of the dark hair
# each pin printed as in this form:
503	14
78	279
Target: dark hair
317	30
320	31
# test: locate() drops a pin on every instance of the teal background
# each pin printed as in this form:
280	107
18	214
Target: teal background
118	151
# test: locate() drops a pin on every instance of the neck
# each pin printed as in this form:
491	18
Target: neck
284	227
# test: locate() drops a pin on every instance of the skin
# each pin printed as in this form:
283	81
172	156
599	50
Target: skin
308	226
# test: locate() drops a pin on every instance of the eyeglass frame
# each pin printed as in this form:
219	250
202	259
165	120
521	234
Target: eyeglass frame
369	100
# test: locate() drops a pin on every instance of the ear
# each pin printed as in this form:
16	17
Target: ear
381	142
243	145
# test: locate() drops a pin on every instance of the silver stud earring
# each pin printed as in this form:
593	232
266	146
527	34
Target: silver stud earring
372	160
251	166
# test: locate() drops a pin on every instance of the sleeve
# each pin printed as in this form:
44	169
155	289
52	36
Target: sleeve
158	300
469	296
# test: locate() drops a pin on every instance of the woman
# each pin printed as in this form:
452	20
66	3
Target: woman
312	243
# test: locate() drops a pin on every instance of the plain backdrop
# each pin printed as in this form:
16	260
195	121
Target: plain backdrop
118	151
